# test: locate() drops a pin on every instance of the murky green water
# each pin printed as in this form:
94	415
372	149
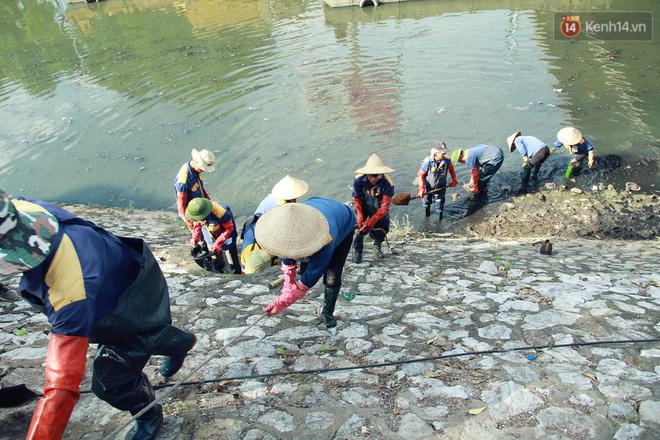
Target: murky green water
101	103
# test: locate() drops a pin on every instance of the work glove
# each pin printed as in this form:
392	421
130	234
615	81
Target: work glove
590	162
420	194
65	369
369	224
196	233
472	187
289	295
525	162
359	216
217	246
289	274
453	183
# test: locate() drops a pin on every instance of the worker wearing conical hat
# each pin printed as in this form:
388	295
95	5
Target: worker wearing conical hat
578	145
534	152
318	229
253	257
372	194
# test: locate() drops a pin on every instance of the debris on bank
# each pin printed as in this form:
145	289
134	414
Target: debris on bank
602	213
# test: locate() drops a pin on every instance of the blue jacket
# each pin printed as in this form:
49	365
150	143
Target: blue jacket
341	221
88	272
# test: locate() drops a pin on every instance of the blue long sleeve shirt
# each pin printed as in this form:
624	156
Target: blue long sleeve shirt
341	221
582	147
528	146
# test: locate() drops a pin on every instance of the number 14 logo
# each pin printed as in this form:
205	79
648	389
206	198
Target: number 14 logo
570	25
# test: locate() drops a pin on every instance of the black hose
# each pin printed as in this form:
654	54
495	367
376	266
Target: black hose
410	361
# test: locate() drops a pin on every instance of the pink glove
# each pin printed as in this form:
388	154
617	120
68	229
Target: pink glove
217	246
196	234
420	194
289	274
288	297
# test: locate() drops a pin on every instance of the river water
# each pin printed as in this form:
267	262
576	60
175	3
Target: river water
101	103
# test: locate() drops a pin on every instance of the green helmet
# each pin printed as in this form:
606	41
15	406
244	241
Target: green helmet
455	155
198	209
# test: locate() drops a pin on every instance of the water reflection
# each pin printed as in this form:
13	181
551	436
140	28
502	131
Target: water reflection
102	102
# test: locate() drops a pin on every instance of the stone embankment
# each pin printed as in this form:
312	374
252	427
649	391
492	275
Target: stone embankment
465	308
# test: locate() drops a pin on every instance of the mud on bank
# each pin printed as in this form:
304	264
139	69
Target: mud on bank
560	213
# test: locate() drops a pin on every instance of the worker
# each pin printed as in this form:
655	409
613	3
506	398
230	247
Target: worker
579	146
287	190
483	161
189	185
94	287
318	229
432	175
534	153
372	194
219	231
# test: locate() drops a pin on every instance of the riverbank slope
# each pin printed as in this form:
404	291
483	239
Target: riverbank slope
472	336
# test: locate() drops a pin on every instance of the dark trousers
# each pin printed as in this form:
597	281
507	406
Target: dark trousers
118	378
438	200
377	233
487	172
332	275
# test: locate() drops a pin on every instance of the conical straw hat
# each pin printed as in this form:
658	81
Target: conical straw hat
375	166
290	188
510	139
569	136
293	230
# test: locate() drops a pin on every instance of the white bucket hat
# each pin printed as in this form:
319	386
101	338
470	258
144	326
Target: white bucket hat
374	166
204	160
293	230
510	139
290	188
569	136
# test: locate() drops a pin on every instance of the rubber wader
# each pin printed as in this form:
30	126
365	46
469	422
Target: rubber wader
329	301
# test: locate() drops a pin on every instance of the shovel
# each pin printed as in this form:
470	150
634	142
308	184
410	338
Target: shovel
404	199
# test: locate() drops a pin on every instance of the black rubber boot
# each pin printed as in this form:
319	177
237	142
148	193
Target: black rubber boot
329	301
439	215
184	342
219	264
358	245
377	251
147	425
427	210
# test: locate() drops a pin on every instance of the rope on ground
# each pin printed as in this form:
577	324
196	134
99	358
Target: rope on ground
162	397
411	361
